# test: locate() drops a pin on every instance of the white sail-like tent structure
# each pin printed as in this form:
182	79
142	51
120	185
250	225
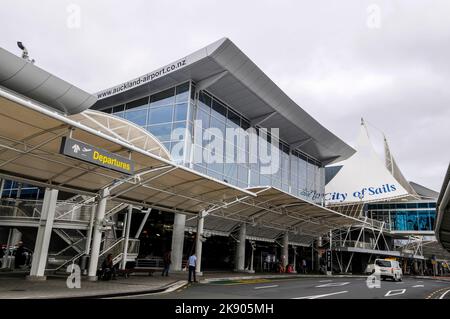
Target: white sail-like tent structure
363	177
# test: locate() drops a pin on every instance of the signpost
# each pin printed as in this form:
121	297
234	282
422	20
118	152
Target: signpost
329	262
95	155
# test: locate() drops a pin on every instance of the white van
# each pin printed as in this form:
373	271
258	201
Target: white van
388	269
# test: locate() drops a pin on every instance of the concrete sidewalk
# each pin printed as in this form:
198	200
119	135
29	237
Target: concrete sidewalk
14	287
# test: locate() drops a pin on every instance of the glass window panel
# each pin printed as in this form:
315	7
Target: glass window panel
432	205
118	108
162	132
162	98
231	170
179	126
245	124
203	117
215	123
218	110
411	205
422	205
181	112
140	103
205	101
264	180
182	92
200	168
193	91
217	167
424	221
254	178
413	223
243	174
215	174
138	117
432	220
161	115
276	183
400	220
234	120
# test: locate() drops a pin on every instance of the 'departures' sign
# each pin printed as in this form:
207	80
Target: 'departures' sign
95	155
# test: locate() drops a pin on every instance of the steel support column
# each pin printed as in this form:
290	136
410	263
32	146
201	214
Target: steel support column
44	233
240	248
179	224
199	241
127	237
97	234
285	257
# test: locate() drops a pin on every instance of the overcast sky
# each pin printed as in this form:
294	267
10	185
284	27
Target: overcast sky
387	61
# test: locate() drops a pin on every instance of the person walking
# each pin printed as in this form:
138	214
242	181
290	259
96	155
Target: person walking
166	261
192	263
304	266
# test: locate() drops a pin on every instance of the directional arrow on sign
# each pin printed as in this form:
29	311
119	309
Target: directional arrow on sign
76	148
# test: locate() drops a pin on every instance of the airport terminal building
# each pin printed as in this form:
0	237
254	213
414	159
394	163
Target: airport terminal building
204	153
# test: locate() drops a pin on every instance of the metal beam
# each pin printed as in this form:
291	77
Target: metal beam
207	82
261	119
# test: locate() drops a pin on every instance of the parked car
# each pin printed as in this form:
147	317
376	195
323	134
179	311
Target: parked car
386	268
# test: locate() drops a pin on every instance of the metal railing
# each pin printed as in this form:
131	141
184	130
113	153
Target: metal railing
116	250
152	262
353	244
375	223
31	209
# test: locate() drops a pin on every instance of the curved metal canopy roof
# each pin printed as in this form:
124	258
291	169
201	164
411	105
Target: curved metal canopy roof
225	71
272	213
30	142
26	78
123	130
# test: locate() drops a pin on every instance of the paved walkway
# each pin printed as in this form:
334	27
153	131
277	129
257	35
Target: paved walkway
12	287
16	286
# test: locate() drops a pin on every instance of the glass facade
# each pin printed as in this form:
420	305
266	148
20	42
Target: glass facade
160	114
411	216
11	190
235	162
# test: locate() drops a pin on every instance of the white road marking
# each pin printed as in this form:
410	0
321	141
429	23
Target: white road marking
443	295
328	280
420	281
264	287
321	296
395	292
418	286
333	284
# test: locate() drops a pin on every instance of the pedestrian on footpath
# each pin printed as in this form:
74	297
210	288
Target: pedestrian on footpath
304	266
192	263
167	261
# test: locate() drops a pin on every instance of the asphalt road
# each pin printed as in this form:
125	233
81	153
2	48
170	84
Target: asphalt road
312	288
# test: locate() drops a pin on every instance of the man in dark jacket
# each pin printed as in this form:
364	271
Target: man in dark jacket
166	261
20	256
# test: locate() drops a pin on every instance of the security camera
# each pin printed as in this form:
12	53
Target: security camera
24	52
